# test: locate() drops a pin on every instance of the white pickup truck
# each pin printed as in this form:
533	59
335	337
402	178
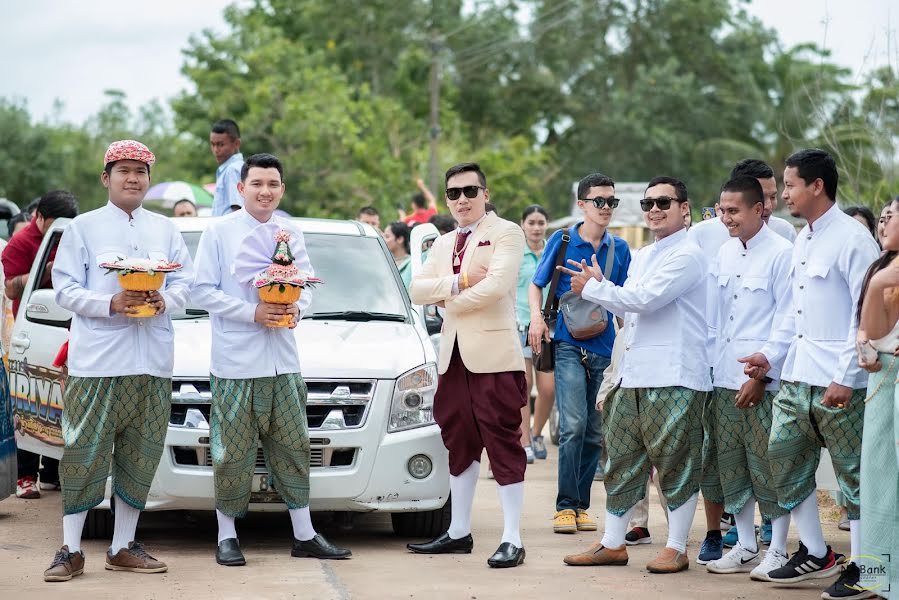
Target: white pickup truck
366	357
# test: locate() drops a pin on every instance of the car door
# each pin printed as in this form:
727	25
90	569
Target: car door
39	332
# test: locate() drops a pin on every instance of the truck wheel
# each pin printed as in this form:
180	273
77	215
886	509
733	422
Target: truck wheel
554	425
99	524
425	524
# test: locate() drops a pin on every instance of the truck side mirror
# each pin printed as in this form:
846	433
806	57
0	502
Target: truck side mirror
43	309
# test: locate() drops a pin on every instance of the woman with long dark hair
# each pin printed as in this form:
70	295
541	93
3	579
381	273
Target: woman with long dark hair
878	345
397	235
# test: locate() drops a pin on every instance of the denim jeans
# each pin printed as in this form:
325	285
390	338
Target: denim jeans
578	376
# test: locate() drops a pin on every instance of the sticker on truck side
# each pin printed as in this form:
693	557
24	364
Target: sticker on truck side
36	394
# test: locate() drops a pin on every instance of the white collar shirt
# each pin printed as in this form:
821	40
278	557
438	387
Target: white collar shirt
241	347
830	260
102	344
663	304
753	297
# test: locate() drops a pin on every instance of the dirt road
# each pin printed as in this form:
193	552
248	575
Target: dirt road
31	531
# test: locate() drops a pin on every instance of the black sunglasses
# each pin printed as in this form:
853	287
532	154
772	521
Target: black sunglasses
470	191
600	202
663	202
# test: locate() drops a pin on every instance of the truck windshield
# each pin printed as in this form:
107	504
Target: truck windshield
357	275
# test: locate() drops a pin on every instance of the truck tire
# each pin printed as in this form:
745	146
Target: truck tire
554	425
99	524
425	524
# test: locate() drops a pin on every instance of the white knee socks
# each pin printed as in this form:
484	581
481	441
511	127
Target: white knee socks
779	529
679	522
125	525
462	488
855	540
301	519
809	524
746	525
616	529
72	525
511	497
227	530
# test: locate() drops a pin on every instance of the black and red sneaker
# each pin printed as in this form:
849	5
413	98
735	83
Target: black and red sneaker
638	535
803	565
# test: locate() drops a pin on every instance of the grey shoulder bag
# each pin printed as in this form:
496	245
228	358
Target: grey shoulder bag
585	319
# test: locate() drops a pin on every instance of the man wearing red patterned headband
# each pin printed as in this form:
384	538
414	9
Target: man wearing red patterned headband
118	394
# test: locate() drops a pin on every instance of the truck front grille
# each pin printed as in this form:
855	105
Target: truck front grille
320	456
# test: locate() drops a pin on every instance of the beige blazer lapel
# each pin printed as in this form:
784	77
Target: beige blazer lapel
476	238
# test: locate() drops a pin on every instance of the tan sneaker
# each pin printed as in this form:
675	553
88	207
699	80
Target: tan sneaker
598	555
565	521
135	559
669	560
65	565
584	521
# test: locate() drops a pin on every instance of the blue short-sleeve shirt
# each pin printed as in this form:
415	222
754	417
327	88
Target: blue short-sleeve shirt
580	249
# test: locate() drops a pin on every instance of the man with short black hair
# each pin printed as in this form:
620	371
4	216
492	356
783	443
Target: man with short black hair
256	400
184	208
752	292
17	257
821	401
579	363
653	420
224	141
481	389
424	206
369	215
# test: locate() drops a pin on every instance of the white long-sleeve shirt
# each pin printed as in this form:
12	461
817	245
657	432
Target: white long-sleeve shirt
754	298
711	235
830	260
242	348
103	344
663	304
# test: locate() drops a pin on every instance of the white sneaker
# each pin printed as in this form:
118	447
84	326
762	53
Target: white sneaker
529	452
773	560
738	560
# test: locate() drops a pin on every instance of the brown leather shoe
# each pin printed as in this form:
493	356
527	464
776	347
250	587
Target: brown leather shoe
669	560
598	555
65	565
135	559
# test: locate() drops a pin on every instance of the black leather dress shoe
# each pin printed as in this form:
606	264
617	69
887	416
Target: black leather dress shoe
444	544
507	555
318	547
229	553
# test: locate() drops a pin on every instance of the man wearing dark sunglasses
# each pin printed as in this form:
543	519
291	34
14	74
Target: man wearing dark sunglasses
579	364
473	272
653	420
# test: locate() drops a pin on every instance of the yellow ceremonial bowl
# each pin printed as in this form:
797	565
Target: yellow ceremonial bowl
277	293
142	282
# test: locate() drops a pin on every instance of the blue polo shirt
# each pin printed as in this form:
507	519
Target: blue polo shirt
579	249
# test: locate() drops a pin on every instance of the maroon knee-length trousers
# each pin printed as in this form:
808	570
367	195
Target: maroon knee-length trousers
482	410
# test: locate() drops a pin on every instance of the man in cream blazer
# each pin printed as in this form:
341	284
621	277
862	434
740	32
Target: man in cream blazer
473	273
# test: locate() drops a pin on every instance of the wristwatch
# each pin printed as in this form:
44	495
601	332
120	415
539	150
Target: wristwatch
767	379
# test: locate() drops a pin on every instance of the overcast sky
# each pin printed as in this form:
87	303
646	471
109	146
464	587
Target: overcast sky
58	49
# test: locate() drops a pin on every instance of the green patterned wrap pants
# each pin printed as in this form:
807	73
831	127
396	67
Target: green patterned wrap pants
653	427
742	439
245	411
800	427
122	420
710	484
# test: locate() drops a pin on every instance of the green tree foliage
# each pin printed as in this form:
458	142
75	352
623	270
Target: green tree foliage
541	92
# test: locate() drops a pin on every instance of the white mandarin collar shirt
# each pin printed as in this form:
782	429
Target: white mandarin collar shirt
102	344
830	260
754	298
242	348
663	303
783	228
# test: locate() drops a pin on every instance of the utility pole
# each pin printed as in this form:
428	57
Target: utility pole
434	165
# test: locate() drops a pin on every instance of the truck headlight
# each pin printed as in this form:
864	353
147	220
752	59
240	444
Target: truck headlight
413	399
